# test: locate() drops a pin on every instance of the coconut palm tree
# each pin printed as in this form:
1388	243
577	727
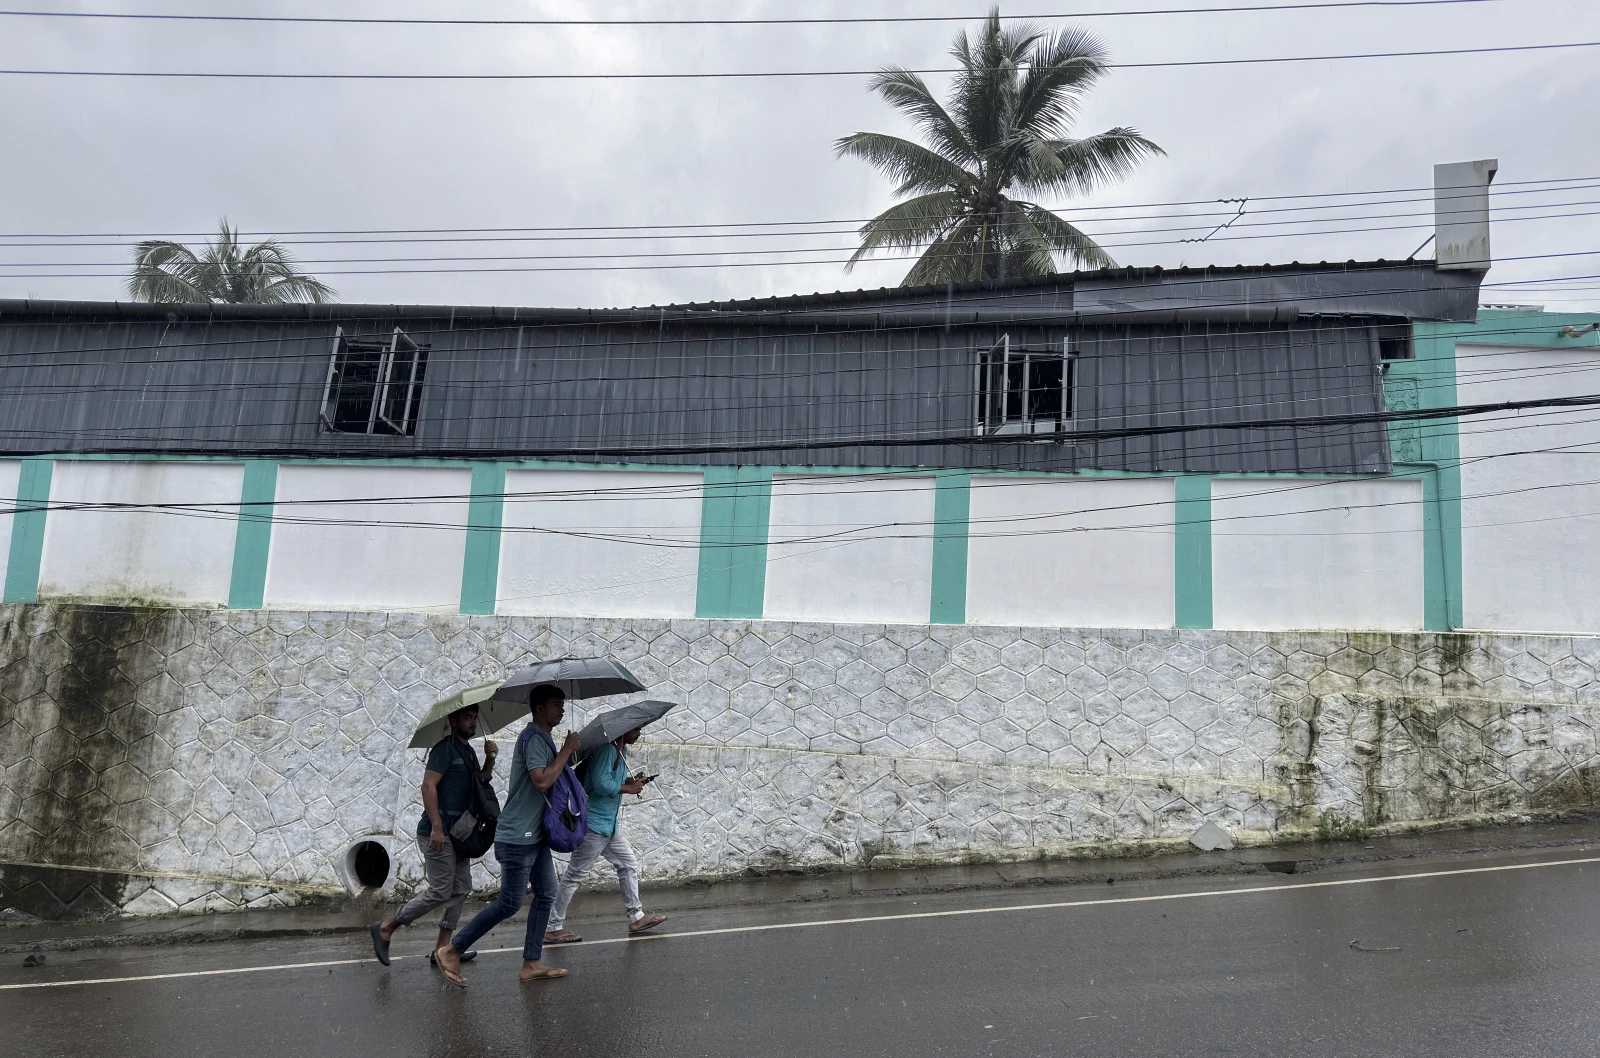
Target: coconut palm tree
224	271
1005	134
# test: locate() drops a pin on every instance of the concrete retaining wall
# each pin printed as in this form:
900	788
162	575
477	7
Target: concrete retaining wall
165	759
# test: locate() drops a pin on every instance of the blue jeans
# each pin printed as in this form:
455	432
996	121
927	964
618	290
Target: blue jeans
518	863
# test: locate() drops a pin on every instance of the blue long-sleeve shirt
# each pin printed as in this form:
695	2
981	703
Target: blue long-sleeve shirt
608	770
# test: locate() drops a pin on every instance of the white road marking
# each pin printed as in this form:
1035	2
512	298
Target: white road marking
768	927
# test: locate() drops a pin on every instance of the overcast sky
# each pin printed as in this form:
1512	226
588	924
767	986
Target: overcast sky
88	155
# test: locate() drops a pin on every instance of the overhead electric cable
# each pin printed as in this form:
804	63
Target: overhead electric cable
1424	220
681	75
1500	188
1317	5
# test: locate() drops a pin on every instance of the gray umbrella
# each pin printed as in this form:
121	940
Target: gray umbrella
578	677
614	723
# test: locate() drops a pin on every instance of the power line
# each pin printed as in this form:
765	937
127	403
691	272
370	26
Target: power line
820	21
664	266
1056	440
237	75
659	254
220	511
1500	188
589	234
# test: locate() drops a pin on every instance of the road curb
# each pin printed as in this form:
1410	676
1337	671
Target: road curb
904	881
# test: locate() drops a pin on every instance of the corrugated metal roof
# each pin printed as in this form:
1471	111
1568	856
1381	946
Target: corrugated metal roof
1246	293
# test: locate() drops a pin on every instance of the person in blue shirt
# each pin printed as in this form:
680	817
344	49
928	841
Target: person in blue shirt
446	793
520	842
605	780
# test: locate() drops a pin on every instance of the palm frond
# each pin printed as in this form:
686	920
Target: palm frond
1065	238
917	168
914	222
1062	68
222	272
1079	167
985	89
1028	251
952	258
909	94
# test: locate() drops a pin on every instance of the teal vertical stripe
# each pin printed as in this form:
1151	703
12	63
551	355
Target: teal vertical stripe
252	542
735	518
27	531
1191	604
952	511
1429	381
480	570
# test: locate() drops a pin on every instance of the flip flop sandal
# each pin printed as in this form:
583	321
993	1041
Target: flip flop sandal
449	974
548	974
466	956
566	936
646	924
380	947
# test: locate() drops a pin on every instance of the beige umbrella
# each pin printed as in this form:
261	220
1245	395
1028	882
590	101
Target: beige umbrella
491	715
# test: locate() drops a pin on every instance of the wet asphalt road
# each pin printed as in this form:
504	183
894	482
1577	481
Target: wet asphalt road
1499	963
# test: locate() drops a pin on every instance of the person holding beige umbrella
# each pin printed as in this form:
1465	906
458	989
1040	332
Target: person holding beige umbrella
447	794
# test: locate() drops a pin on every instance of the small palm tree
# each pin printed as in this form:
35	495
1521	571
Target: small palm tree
224	271
1006	132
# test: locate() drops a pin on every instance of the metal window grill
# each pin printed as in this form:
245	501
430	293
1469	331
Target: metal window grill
374	386
1024	391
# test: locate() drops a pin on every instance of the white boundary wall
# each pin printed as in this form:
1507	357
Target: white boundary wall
864	549
580	567
402	556
166	556
1093	553
1530	522
1304	554
237	752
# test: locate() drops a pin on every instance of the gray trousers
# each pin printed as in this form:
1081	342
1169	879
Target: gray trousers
617	851
449	882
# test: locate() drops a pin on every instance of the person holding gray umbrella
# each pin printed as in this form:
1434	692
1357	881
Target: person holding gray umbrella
520	842
606	778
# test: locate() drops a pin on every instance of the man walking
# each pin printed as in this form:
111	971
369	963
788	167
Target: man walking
519	842
446	793
605	780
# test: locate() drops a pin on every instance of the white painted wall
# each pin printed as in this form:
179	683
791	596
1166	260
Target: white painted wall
576	570
850	549
1530	523
399	555
161	555
1093	553
10	474
1317	554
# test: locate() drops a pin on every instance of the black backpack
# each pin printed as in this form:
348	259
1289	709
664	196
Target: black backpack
473	834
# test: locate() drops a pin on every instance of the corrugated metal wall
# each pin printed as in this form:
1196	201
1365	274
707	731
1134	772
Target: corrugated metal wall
81	384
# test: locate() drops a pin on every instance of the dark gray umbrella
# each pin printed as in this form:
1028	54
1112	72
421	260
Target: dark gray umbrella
614	723
578	677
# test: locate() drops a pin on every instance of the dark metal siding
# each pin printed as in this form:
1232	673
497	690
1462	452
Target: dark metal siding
567	390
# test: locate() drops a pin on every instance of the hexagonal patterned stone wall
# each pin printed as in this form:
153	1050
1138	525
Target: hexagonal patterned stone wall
218	759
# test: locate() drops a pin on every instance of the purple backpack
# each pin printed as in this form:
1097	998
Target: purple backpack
566	805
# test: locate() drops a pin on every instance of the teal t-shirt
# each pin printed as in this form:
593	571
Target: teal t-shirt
455	788
522	816
602	781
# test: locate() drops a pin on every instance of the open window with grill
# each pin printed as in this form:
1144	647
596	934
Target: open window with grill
1394	341
374	384
1024	390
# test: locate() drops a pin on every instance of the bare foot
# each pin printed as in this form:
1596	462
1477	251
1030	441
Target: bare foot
534	970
